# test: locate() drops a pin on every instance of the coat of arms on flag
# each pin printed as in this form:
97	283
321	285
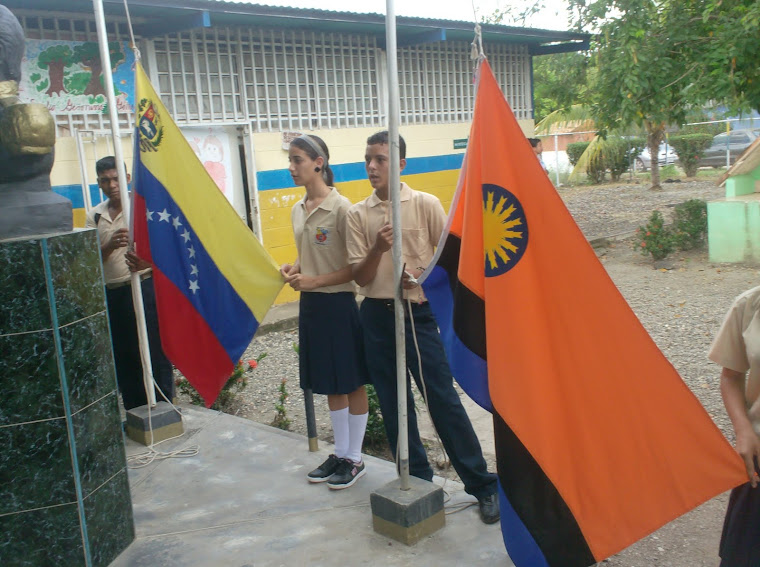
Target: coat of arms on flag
149	124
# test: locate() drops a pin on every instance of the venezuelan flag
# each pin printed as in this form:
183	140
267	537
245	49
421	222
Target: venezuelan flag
214	281
598	440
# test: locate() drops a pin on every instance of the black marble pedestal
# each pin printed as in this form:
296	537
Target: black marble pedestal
64	494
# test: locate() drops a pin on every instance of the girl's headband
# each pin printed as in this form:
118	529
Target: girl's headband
314	146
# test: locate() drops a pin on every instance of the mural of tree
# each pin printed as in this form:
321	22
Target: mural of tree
88	54
55	59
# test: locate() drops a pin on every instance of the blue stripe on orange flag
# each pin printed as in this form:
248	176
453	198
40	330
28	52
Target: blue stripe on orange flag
598	440
214	281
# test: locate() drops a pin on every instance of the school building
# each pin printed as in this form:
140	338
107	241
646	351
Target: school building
241	80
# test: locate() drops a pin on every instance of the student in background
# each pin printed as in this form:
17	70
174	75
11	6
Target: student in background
538	149
737	349
118	263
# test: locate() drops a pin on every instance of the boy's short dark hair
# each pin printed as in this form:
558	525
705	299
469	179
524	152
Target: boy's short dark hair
105	164
382	138
534	141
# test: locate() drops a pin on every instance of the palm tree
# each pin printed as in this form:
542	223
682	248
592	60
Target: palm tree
582	116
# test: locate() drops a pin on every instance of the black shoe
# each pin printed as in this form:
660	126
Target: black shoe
325	470
347	474
489	508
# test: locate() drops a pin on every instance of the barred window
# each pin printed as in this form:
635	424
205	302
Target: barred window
435	81
277	79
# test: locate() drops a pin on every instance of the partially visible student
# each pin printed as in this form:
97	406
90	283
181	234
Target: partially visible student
538	149
370	237
331	355
737	349
118	262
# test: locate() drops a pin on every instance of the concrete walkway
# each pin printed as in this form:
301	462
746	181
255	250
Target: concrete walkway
244	501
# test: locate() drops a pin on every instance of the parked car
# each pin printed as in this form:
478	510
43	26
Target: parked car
667	156
731	144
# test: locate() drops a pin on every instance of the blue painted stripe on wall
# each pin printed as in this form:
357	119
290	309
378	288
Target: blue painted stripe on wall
74	194
280	178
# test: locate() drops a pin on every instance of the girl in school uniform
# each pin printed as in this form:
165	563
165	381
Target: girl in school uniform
331	355
736	348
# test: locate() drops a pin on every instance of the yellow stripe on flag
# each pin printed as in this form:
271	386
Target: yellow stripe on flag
234	249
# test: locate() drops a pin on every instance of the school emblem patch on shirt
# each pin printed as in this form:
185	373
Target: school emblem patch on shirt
321	236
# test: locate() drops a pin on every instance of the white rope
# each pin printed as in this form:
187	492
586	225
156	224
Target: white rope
132	33
449	509
145	458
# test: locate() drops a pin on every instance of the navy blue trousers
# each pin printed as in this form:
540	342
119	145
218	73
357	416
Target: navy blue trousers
446	410
126	346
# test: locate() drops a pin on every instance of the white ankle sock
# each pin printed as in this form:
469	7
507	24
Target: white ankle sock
357	425
339	419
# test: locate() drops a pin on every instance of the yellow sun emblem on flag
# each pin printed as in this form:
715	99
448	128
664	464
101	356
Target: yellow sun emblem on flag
505	230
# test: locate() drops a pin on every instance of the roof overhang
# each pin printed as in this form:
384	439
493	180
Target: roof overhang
746	163
158	17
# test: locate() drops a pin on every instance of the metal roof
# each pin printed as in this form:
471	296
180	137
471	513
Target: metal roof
169	13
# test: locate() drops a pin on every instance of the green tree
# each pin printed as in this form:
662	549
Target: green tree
88	54
729	51
559	81
55	59
643	74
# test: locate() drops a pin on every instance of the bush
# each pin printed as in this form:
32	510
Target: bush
619	153
575	151
689	230
596	169
655	238
689	227
616	156
711	130
690	148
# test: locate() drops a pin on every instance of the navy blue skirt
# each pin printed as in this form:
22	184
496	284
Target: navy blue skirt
740	542
330	346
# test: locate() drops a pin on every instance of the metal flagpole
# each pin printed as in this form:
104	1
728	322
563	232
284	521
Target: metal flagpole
113	111
402	442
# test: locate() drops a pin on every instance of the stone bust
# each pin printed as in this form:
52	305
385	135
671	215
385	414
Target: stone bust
27	136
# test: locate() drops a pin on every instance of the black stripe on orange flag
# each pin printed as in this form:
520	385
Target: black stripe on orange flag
599	441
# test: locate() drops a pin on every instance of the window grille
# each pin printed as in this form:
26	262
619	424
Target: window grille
81	28
435	81
276	79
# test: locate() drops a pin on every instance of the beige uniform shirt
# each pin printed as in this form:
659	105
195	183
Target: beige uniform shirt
321	238
115	268
422	222
737	345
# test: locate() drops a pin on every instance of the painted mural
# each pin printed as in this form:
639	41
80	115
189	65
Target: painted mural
66	76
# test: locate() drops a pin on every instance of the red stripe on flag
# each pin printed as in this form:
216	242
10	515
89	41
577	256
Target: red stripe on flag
189	342
140	227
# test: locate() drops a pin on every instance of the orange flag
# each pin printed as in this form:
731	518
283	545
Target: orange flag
598	440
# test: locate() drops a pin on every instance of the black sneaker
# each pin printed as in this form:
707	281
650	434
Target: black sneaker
489	508
346	475
325	470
